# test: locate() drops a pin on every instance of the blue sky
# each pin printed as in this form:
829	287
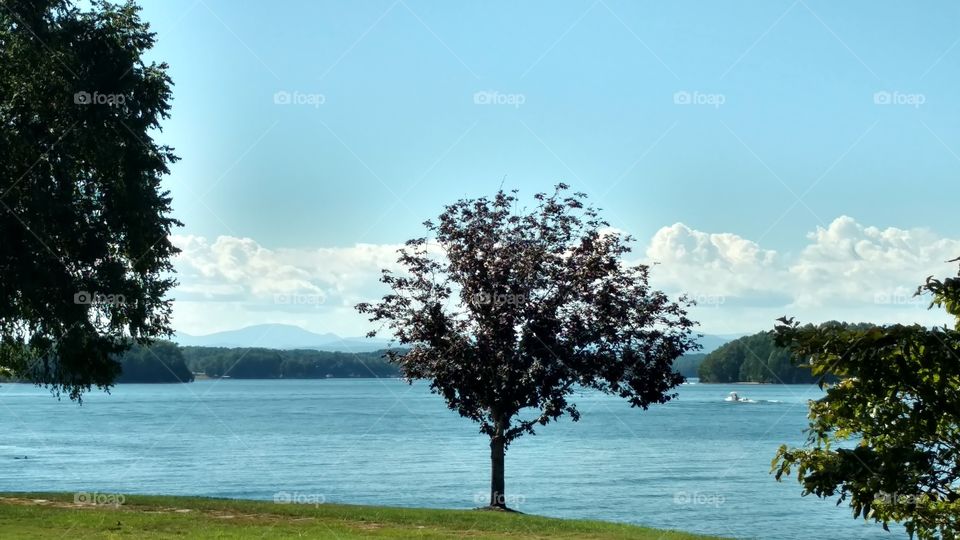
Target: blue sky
761	121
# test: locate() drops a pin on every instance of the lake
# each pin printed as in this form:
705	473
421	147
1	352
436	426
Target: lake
698	463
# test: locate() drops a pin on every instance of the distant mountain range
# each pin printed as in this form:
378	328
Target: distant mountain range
711	343
281	336
286	336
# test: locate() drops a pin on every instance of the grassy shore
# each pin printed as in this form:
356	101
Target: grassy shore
50	515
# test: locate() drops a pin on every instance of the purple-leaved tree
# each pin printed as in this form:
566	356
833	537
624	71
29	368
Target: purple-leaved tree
507	312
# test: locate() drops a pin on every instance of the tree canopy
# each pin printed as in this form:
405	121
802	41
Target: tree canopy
84	261
688	364
507	311
159	362
886	437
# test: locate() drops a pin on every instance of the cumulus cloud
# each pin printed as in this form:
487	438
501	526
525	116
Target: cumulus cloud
711	266
852	262
845	271
679	243
233	282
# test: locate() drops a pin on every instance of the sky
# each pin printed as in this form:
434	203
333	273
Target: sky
770	157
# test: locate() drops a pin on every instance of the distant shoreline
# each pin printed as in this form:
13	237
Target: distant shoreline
207	378
753	383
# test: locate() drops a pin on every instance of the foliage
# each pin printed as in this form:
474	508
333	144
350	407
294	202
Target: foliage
758	358
688	364
84	261
159	362
887	436
755	358
508	311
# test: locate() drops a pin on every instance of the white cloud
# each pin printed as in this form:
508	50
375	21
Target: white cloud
846	271
847	261
710	266
679	243
314	288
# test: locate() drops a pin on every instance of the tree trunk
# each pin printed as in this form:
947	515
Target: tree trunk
497	452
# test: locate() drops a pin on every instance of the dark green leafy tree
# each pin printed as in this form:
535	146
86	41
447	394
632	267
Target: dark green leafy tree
520	308
159	362
688	364
84	260
886	437
755	358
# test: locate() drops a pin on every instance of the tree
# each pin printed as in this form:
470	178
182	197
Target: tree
887	435
688	364
161	362
84	261
507	312
754	358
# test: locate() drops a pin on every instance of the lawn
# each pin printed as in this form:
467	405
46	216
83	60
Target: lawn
56	515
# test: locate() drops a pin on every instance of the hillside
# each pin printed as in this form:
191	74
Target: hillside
757	358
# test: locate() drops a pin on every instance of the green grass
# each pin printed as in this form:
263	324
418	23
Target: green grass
56	515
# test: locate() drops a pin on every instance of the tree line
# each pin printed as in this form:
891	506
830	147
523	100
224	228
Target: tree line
259	363
167	362
159	362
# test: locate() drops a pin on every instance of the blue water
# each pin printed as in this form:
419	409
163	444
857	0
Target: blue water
698	463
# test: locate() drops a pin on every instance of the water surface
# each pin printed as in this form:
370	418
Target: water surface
698	463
